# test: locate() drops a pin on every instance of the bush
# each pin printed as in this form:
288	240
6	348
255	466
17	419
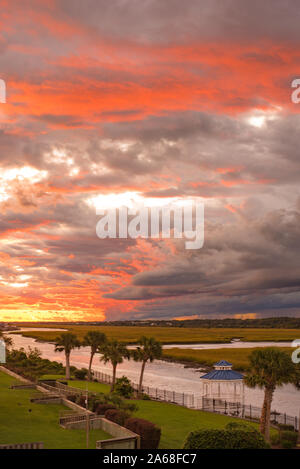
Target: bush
149	433
81	374
102	408
275	440
282	426
287	435
246	438
123	387
287	444
117	416
80	400
145	397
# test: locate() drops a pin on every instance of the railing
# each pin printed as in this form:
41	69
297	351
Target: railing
180	398
246	411
74	418
35	445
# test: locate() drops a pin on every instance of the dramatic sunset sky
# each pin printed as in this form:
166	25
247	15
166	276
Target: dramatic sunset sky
129	99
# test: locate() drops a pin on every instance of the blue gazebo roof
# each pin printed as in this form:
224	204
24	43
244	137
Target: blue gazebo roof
223	363
222	375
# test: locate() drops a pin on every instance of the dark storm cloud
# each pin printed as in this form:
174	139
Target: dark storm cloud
154	21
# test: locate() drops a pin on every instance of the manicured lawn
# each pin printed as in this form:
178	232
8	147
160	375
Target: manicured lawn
19	425
169	335
75	383
177	422
239	357
94	387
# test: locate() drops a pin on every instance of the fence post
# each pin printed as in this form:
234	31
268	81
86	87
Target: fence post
173	396
225	407
250	412
183	398
213	405
284	418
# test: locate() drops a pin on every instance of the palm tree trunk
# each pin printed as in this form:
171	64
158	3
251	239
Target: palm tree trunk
113	377
298	442
67	365
90	366
266	413
141	377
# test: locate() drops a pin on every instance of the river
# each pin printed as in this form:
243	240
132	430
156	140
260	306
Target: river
167	375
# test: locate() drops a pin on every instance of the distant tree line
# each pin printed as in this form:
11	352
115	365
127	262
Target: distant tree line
272	322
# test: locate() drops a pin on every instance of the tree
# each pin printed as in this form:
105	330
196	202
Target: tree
113	352
269	367
66	342
93	339
148	349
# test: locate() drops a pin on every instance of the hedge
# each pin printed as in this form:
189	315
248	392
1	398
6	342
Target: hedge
117	416
102	408
149	433
225	439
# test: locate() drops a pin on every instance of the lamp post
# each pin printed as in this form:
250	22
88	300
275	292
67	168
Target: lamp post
87	416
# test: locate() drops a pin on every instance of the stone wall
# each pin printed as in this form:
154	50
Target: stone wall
123	438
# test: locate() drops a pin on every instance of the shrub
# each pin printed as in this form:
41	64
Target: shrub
80	400
246	438
81	374
102	408
275	440
282	426
149	433
117	416
287	435
123	387
145	397
287	444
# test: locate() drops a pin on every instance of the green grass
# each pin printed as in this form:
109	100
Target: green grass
169	335
18	425
76	383
238	357
177	422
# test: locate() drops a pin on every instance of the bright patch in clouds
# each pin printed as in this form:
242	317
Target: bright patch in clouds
25	173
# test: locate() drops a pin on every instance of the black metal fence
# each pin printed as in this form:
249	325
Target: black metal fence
180	398
246	411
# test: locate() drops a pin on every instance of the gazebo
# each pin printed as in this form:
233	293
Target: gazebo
223	383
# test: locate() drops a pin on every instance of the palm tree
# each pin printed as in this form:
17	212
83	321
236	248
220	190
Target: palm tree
66	342
113	352
269	368
148	349
93	339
